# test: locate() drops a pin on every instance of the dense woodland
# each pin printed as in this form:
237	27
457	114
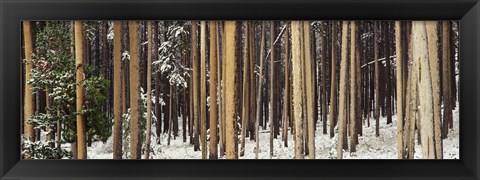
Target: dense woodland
219	85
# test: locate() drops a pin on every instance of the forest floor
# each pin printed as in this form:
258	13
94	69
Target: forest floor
369	147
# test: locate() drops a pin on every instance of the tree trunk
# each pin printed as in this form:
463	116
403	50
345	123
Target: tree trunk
435	83
309	90
149	89
420	52
324	77
203	89
342	96
377	82
286	107
135	101
29	132
333	85
230	92
297	86
387	72
245	98
353	88
81	124
259	91
195	87
117	97
446	84
213	90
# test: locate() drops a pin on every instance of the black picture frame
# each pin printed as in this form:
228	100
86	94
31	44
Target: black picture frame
13	11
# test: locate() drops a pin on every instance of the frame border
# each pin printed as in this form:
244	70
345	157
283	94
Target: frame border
13	11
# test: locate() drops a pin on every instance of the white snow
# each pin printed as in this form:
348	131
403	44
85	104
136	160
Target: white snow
369	147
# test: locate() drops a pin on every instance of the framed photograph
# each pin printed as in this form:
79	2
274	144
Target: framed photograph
239	89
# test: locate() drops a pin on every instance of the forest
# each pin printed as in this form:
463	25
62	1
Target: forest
240	90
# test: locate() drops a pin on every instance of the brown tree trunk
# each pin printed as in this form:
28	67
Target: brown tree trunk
81	124
135	101
203	89
342	94
377	83
213	90
333	85
297	86
230	92
353	88
29	132
195	87
117	93
446	84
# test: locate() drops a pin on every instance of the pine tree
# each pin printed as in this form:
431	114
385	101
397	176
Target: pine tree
213	90
297	86
203	89
230	69
149	90
135	101
342	115
81	143
29	132
117	97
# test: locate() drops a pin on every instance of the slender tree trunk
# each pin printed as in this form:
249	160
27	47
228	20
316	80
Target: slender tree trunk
309	90
213	90
333	85
195	87
117	97
297	86
377	82
342	95
81	144
286	107
203	89
324	76
245	95
446	84
29	132
353	88
272	108
420	52
400	94
259	91
435	83
230	92
149	89
135	111
387	72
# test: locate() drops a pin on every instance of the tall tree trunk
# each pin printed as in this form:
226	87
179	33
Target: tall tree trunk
29	107
117	95
245	98
149	89
387	72
272	108
353	88
195	87
333	85
213	90
81	124
446	84
286	107
297	86
203	88
259	91
377	82
342	95
135	101
230	92
309	90
324	76
400	94
420	52
435	83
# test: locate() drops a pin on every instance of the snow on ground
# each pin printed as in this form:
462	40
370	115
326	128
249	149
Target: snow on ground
369	147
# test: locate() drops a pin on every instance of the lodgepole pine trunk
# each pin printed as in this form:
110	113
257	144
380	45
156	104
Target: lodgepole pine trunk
213	153
230	92
297	87
29	132
377	81
333	85
353	88
117	93
81	124
203	89
149	89
309	90
259	91
135	123
342	96
400	93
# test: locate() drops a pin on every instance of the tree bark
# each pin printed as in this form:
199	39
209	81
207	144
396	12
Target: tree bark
230	92
309	90
149	89
135	101
259	91
29	132
297	86
446	84
213	90
80	76
117	93
342	96
195	87
333	85
203	89
377	83
353	88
